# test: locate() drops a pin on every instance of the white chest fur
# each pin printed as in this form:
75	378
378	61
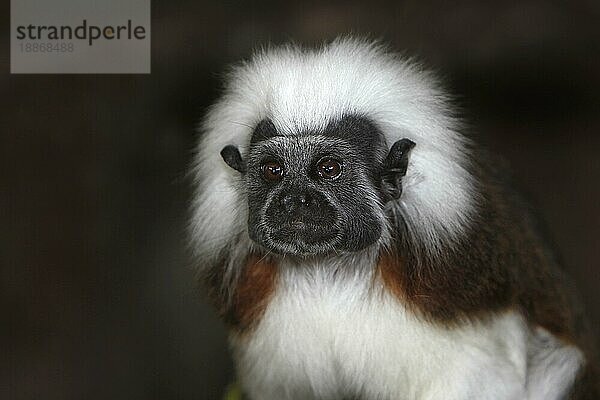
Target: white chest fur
348	340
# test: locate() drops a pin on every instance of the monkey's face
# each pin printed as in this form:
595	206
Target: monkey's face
315	193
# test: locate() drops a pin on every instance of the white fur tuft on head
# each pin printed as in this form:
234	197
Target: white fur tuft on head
300	89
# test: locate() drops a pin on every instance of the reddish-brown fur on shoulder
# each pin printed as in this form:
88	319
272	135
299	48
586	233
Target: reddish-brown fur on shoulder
436	295
389	269
448	294
443	293
253	291
242	302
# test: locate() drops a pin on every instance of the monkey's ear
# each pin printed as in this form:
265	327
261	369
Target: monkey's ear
232	157
394	169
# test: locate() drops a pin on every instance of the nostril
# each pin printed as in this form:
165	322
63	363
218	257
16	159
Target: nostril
293	203
304	200
287	202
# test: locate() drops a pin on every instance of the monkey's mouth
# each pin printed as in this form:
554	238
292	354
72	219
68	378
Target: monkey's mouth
301	238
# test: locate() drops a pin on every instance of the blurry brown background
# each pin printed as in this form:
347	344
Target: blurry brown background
97	297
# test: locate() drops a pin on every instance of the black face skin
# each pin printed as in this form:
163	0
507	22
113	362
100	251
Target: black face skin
317	193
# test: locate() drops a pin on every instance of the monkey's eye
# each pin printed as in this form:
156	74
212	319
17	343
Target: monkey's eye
272	171
328	168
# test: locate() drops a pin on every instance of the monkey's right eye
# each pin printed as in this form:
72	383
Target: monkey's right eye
272	171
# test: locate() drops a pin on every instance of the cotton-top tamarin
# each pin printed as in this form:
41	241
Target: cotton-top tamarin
359	247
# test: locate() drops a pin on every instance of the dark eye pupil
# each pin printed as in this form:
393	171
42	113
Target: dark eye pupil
273	171
329	168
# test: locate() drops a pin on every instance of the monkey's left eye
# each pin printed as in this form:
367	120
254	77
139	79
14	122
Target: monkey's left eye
328	168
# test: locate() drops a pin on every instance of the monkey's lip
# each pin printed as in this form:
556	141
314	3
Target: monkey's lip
302	238
306	228
301	225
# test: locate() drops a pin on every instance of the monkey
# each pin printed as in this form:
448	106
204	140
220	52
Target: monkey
358	244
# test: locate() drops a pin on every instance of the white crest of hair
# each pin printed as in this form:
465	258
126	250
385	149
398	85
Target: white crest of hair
300	90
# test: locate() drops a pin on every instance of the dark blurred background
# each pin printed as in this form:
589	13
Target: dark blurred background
97	295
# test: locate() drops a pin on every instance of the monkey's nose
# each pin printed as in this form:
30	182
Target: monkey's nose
292	203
